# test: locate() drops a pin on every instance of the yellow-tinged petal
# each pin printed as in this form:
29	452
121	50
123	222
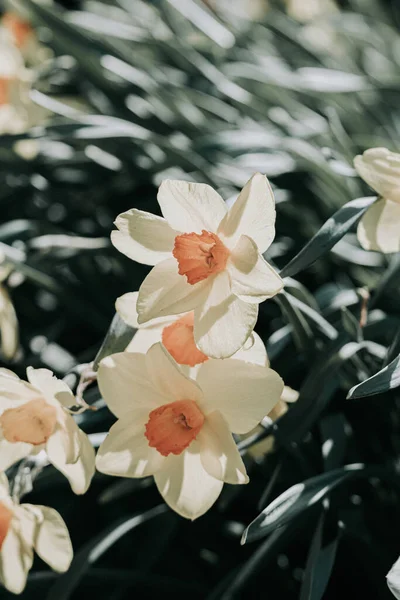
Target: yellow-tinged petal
379	229
242	392
185	485
380	168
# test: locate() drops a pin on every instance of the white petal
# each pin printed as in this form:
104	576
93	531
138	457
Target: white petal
66	433
166	375
243	392
126	308
219	454
8	325
14	391
125	384
145	338
185	485
126	452
4	486
252	214
191	207
165	292
223	322
253	279
52	542
10	453
15	561
80	473
289	394
379	229
380	168
51	387
143	237
393	579
253	351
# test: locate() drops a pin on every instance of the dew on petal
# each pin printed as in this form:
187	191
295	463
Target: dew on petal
5	520
172	427
200	255
178	339
33	422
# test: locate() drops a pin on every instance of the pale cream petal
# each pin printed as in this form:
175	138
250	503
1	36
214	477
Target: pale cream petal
218	451
4	486
253	351
166	375
126	452
143	237
52	542
185	485
380	168
126	308
67	434
16	559
8	325
379	229
252	214
14	391
243	392
80	473
393	579
125	384
223	322
289	394
165	292
191	207
50	387
252	278
145	338
10	453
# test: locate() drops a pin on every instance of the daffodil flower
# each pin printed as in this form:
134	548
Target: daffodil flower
35	416
379	229
25	528
208	259
177	335
178	429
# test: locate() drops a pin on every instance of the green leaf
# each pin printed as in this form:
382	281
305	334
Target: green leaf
117	338
329	234
297	499
385	380
302	333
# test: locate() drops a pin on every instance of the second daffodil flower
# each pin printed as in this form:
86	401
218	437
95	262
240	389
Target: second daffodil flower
208	259
23	529
180	430
35	416
379	229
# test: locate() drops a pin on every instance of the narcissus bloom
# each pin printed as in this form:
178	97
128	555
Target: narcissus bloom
23	529
379	229
177	335
180	430
208	259
35	416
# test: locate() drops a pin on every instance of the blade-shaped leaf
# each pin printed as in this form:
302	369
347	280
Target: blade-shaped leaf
329	234
117	338
383	381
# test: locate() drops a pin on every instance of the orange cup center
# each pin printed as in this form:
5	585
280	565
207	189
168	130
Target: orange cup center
200	255
178	339
19	29
33	422
5	520
172	427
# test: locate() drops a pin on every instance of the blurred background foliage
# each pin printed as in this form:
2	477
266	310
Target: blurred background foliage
132	92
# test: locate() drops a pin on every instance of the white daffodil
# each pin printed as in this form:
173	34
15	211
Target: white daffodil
379	229
393	579
208	259
178	429
35	416
176	334
25	528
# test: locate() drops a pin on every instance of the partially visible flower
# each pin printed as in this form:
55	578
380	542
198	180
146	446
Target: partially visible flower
177	335
25	528
208	259
379	229
8	318
308	10
35	416
393	579
179	429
